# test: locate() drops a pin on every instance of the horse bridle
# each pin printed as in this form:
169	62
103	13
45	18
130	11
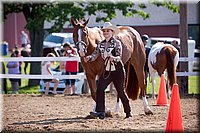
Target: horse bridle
84	45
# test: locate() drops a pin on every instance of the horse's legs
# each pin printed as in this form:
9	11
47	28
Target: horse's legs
92	85
168	89
153	82
141	80
118	104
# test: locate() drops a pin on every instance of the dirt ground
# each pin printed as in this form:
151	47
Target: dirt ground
36	113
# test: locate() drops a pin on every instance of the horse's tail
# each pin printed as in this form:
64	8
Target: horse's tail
171	70
132	86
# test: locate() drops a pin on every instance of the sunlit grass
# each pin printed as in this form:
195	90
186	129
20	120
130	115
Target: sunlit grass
193	85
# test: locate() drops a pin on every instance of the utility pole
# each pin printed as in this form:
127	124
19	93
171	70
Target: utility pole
183	32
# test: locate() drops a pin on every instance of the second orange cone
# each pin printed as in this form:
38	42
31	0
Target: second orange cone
162	95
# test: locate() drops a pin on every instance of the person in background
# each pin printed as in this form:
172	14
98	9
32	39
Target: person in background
26	52
147	50
62	63
175	44
24	39
13	68
71	68
110	49
17	51
4	82
46	70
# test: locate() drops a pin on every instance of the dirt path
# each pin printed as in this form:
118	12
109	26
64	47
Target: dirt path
34	113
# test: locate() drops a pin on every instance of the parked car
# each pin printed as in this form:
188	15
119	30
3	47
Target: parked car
58	39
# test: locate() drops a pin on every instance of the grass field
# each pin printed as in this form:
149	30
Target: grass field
193	84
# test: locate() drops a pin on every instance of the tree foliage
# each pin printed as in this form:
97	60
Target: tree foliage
60	13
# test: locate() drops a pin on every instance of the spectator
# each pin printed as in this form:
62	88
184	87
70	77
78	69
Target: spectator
13	68
63	64
175	44
71	68
17	51
4	79
25	52
147	50
24	39
46	70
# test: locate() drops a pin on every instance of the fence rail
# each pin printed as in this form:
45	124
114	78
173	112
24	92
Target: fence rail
39	59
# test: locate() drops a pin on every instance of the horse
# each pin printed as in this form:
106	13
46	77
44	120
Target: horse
163	57
133	58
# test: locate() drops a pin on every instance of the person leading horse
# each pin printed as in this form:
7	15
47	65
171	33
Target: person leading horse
133	58
110	50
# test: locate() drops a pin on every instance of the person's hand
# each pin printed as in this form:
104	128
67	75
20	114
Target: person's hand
111	58
86	59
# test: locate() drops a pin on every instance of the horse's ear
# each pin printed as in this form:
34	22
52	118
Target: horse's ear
73	22
86	22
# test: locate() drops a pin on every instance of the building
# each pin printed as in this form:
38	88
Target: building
162	23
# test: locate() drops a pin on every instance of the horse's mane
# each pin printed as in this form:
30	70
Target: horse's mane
95	33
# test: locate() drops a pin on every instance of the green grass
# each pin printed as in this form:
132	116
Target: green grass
193	85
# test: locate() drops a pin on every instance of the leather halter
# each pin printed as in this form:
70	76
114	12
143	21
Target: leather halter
85	44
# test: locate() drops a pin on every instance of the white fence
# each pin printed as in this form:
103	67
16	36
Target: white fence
39	59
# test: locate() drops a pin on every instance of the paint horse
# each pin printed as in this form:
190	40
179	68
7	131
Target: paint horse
163	57
133	57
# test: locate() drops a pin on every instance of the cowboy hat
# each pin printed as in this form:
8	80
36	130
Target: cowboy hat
108	25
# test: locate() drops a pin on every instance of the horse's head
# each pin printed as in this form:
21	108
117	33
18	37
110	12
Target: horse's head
80	36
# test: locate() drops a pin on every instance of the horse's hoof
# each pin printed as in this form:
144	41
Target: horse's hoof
149	112
108	114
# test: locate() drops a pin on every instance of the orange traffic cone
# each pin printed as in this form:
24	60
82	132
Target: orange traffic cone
162	95
174	121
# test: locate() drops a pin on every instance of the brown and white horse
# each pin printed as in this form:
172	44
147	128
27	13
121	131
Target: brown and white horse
133	57
163	57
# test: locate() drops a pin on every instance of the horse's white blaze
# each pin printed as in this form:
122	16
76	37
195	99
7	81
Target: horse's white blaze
81	51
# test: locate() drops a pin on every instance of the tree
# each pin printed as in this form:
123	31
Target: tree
184	46
60	13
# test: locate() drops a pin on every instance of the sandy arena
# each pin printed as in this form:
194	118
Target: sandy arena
36	113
